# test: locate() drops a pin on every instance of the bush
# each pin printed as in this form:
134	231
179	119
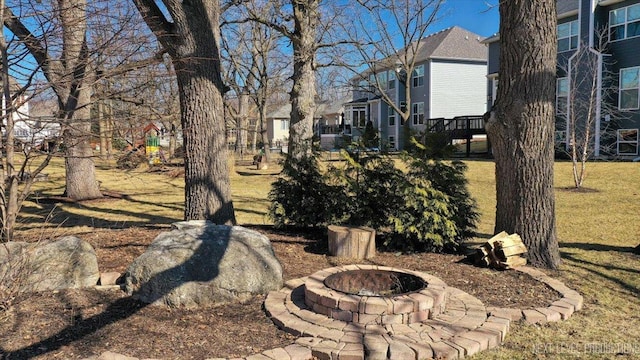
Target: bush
427	208
302	196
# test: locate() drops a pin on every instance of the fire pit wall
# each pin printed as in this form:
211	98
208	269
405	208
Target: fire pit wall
369	294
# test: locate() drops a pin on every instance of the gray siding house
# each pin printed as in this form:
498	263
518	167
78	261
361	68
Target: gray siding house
585	24
449	80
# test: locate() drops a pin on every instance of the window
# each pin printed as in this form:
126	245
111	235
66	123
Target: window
624	22
359	118
392	80
372	83
568	36
628	142
418	113
629	87
392	142
284	124
562	96
417	78
382	80
392	117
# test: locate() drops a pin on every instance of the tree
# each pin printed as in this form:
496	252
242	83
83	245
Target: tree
71	77
521	127
305	40
62	38
580	104
255	66
190	32
378	29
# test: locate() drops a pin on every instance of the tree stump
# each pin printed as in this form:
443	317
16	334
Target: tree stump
352	242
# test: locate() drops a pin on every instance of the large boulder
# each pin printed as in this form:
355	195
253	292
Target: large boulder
200	263
68	262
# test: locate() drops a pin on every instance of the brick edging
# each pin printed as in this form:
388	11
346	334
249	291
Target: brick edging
478	332
562	309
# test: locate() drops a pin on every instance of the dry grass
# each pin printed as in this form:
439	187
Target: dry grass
597	229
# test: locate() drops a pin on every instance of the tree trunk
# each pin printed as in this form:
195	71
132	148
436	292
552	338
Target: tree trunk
192	38
172	141
306	19
75	97
81	182
241	122
521	127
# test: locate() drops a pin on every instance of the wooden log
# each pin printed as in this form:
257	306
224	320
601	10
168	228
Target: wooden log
352	242
497	237
513	261
511	240
511	250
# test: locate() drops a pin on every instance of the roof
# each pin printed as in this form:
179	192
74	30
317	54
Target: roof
332	107
452	43
282	112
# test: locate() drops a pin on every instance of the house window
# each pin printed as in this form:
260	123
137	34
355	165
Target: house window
562	96
392	142
628	142
392	80
359	118
568	36
284	125
417	78
382	80
629	88
418	113
392	117
624	22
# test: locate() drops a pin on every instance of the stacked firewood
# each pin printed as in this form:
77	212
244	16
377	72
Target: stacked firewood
503	251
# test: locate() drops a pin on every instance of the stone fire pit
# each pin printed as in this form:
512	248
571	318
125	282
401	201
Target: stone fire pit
379	295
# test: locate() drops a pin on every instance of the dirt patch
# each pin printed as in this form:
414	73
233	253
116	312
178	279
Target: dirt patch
75	324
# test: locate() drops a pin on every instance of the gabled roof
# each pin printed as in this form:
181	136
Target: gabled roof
452	43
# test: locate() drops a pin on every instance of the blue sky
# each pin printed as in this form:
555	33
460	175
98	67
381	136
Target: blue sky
478	16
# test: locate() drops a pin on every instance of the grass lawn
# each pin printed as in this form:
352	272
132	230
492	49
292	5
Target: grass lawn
597	228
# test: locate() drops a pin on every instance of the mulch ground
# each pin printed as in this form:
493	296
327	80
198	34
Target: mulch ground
75	324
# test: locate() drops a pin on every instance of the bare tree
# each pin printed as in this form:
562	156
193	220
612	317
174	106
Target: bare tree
190	32
298	21
521	127
385	35
58	35
581	105
256	68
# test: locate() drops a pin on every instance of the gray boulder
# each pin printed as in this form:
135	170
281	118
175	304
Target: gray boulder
200	263
68	262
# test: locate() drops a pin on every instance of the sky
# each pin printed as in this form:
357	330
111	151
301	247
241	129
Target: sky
478	16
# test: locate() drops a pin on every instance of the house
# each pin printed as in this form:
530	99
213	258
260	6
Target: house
449	80
34	122
278	122
582	24
328	125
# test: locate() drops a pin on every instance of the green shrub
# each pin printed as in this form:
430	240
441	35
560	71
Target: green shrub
449	178
427	208
302	196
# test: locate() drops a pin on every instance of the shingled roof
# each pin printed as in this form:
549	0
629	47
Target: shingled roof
452	43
